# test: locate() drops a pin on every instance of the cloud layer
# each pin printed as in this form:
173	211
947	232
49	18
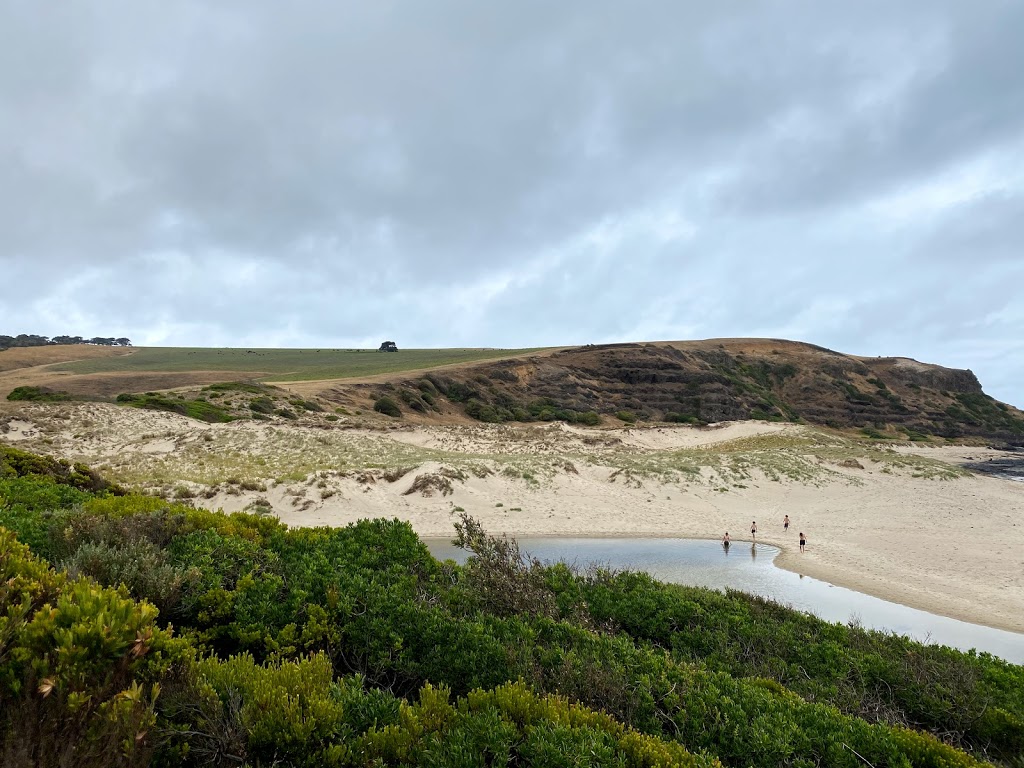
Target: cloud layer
449	174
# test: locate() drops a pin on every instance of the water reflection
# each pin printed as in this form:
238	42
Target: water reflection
707	564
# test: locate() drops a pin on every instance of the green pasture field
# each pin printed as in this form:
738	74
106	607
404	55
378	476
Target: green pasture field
284	364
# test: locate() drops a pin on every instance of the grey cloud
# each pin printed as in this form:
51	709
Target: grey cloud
453	173
949	87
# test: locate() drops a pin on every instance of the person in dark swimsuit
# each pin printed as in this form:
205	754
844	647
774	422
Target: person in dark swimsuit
803	541
753	529
726	541
785	523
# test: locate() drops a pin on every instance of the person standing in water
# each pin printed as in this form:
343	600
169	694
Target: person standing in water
785	523
803	541
726	541
753	529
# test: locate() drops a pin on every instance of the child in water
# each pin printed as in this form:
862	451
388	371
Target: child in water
726	540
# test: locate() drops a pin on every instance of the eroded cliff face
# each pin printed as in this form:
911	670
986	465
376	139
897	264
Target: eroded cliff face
911	372
722	380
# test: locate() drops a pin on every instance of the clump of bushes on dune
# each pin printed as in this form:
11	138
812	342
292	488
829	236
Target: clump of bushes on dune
353	646
387	406
38	395
194	409
45	472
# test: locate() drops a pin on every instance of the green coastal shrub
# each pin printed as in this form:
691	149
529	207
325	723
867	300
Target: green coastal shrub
18	463
387	406
80	667
194	409
38	395
262	405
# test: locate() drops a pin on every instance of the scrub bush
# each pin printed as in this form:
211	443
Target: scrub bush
387	406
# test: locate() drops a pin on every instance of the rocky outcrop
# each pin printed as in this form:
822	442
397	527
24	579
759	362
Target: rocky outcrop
726	380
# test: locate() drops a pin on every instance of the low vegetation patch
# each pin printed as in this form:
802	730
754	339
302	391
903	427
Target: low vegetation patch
387	406
39	395
194	409
237	386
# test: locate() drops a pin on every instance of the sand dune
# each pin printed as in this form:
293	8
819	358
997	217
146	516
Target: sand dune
902	524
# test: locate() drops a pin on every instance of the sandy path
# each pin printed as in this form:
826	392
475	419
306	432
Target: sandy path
950	546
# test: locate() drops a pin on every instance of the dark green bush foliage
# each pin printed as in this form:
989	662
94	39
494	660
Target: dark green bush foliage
484	403
415	400
194	409
237	386
16	463
261	405
38	394
980	410
854	395
141	567
626	416
306	405
456	391
877	676
684	418
315	632
80	668
387	406
484	412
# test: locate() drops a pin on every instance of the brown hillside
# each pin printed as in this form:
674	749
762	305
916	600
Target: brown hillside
29	357
717	380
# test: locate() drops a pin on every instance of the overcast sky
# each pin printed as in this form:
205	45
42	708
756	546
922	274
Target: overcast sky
518	174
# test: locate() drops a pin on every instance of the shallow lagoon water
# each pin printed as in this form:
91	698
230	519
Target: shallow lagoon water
751	569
